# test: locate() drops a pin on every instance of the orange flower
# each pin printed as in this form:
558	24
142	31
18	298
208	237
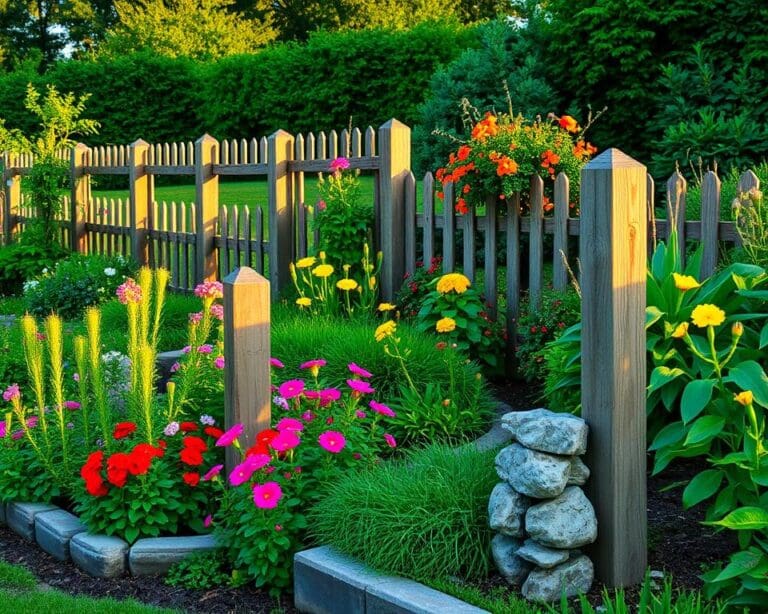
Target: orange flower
461	206
569	124
466	189
549	157
548	205
485	128
439	174
582	149
464	152
506	166
439	195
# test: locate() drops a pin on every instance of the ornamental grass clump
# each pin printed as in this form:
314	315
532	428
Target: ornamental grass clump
319	433
422	517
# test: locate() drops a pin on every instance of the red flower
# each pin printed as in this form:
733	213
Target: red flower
534	329
212	431
117	469
161	444
188	427
265	436
123	429
461	206
192	478
191	456
195	443
544	329
96	487
464	152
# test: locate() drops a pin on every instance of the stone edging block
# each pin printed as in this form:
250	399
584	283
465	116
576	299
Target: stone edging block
101	556
54	530
21	517
155	555
326	582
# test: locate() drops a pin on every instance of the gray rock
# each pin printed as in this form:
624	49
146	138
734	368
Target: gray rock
567	521
533	473
548	431
547	585
54	530
155	555
512	567
21	517
506	510
541	555
101	556
579	473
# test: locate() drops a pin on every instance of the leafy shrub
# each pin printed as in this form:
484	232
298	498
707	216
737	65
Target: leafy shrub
423	517
25	260
501	53
416	287
200	571
562	371
13	366
75	283
728	191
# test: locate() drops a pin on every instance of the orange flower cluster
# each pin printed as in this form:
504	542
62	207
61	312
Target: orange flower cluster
583	149
486	127
568	123
548	160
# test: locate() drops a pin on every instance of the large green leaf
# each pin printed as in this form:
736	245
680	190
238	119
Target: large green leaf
741	563
704	429
747	518
669	435
764	336
749	375
695	397
652	315
702	487
661	376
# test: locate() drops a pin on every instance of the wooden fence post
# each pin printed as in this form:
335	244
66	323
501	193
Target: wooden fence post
394	166
247	393
206	208
12	200
280	151
81	193
140	201
613	258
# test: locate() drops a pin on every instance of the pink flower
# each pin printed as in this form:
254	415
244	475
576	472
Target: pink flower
175	367
289	424
17	434
219	362
195	318
307	416
332	441
358	370
338	164
278	527
71	405
284	441
267	496
213	472
186	349
328	395
210	289
360	386
243	472
382	409
230	436
310	364
12	393
76	377
357	456
322	205
207	521
129	292
205	349
360	414
276	363
390	440
217	311
32	422
2	429
292	388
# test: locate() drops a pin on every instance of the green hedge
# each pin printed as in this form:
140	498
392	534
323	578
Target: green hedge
370	75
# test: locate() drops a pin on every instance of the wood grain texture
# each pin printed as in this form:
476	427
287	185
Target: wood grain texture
468	237
513	279
12	200
710	218
206	205
79	197
428	222
536	244
449	225
140	198
560	248
489	251
410	223
280	212
247	350
613	258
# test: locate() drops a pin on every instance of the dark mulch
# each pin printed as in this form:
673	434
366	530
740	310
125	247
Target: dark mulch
151	590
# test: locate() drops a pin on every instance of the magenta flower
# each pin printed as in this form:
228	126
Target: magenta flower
17	434
284	441
338	164
11	393
217	311
195	318
219	362
32	422
289	424
267	496
310	364
129	292
358	370
230	436
207	521
391	442
276	363
213	472
382	409
360	414
210	289
292	388
186	349
328	395
307	416
243	472
332	441
360	386
71	405
205	349
175	367
2	430
76	377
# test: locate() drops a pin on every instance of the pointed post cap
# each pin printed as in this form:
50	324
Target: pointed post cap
394	124
244	276
206	138
139	143
612	158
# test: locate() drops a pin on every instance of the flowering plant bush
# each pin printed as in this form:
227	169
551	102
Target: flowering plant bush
505	150
344	223
318	433
751	215
323	291
416	287
454	310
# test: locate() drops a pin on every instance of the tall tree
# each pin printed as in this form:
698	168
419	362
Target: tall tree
87	22
27	25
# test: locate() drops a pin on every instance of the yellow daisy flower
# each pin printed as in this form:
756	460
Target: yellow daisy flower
346	284
707	315
386	307
744	398
453	281
322	270
303	301
385	330
685	282
305	263
445	325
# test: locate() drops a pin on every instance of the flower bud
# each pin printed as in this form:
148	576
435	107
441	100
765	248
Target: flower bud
743	398
446	402
737	330
680	331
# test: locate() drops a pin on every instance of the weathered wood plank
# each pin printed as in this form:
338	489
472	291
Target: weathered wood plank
513	279
428	222
677	187
710	218
410	223
468	240
560	244
140	195
491	291
449	237
536	244
206	208
280	211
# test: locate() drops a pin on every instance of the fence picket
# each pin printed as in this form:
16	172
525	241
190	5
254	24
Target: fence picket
536	244
345	145
224	268
409	215
676	191
357	139
489	263
449	248
247	252
322	147
560	247
236	235
428	197
468	236
650	189
333	145
513	276
710	222
310	148
259	264
370	141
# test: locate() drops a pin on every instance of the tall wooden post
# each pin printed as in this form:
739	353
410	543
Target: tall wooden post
206	208
279	153
613	258
12	200
81	193
246	355
140	201
395	164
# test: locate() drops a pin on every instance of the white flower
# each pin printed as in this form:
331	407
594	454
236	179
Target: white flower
207	420
45	271
110	272
30	285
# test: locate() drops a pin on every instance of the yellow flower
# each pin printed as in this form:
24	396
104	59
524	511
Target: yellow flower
744	398
681	331
386	306
707	315
372	282
685	282
446	325
453	281
346	284
305	263
303	301
322	270
385	330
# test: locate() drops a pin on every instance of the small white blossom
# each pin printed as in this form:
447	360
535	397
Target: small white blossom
207	420
110	272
